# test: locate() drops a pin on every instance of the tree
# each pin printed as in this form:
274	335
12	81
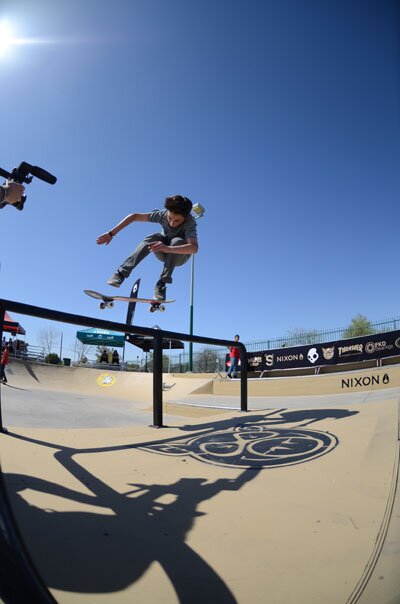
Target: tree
359	326
206	361
300	336
48	337
82	350
165	362
132	366
52	358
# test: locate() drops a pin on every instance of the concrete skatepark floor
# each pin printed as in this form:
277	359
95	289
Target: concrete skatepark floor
294	501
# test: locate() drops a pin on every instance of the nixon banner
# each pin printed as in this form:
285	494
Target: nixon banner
350	350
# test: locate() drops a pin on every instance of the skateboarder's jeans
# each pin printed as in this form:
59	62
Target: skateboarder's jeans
170	260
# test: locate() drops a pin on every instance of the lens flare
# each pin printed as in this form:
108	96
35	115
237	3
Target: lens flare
6	37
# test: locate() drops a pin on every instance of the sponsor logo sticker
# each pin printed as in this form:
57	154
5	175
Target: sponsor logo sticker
328	353
255	361
313	355
105	379
269	360
288	358
365	381
347	351
371	347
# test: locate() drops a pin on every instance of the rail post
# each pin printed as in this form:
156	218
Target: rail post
243	378
157	382
2	315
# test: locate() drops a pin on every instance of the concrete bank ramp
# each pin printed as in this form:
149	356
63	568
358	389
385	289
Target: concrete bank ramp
288	504
102	383
362	380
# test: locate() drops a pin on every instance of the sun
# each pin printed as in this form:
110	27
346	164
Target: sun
6	37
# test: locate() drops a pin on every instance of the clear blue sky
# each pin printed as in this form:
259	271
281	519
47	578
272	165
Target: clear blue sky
280	117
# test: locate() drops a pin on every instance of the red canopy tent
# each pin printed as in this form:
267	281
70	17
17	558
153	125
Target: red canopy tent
11	326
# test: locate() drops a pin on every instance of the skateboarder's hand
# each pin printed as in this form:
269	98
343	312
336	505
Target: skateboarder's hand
158	246
104	238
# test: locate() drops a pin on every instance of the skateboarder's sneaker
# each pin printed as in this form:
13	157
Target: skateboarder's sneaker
160	290
116	280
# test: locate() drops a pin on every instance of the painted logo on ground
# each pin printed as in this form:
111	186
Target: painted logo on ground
251	446
105	379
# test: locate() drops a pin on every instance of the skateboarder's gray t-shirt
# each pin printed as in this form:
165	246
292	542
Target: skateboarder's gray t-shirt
187	230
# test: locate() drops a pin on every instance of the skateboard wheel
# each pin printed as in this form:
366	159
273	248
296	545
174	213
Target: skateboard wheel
110	304
162	308
151	309
102	305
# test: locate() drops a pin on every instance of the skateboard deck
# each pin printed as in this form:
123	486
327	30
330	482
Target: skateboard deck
108	301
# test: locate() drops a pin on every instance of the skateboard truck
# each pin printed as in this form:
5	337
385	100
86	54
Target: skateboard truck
157	306
106	304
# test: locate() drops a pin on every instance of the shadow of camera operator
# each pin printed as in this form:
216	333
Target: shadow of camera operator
95	552
274	417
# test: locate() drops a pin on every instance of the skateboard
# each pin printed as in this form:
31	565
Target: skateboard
108	301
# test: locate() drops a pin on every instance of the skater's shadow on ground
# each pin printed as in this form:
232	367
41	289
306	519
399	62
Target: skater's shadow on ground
107	548
275	417
113	537
15	387
28	367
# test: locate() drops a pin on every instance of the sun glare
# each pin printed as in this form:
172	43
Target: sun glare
6	37
10	39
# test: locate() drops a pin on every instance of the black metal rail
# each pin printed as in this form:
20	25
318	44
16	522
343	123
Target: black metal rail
20	581
157	334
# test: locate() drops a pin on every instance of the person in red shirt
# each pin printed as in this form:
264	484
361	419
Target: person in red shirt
4	360
234	355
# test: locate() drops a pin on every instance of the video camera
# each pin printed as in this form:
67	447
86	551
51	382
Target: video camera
24	174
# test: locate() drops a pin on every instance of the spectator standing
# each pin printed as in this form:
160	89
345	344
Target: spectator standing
4	361
234	356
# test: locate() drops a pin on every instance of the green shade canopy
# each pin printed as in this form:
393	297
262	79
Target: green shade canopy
101	336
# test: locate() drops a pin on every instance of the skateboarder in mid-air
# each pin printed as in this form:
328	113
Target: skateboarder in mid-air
174	246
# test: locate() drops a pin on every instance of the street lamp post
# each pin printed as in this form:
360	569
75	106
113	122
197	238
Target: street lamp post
197	212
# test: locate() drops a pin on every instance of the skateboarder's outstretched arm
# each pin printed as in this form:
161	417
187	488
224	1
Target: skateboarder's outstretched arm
106	237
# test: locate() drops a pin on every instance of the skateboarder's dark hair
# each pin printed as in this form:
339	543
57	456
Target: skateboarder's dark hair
179	205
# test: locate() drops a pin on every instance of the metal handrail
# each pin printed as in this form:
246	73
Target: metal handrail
157	334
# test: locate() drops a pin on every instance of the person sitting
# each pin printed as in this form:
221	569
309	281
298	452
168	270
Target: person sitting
104	356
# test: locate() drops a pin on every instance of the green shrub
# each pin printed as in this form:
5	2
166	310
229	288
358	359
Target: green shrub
53	359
